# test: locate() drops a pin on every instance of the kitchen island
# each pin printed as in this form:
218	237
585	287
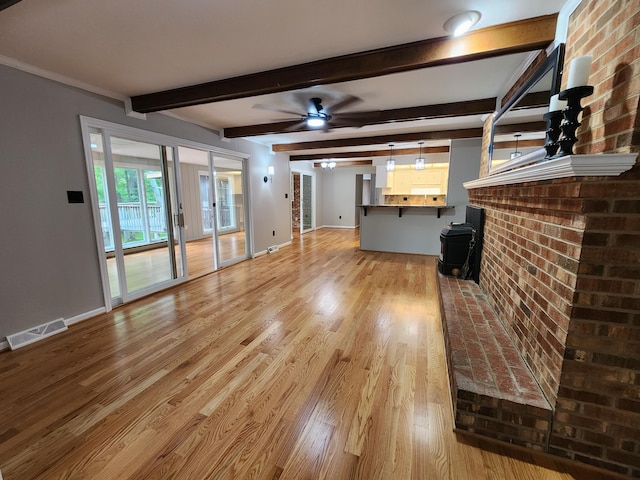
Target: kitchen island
403	228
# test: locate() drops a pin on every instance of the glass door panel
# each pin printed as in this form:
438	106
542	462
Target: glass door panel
306	203
143	212
229	210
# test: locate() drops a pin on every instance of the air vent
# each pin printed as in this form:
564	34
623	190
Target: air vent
21	339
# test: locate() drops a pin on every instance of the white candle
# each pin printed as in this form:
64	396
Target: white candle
556	104
579	71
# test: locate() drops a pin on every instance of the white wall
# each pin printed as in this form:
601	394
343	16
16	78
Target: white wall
48	254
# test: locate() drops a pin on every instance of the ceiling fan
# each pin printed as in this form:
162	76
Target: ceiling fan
318	116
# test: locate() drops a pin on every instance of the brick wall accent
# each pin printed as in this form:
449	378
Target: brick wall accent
608	30
561	260
529	268
597	419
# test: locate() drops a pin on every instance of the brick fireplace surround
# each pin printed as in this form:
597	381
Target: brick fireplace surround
561	260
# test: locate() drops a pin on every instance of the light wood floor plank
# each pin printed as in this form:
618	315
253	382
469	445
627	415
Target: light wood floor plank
319	361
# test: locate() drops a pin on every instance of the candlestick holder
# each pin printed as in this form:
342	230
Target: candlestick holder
570	113
551	144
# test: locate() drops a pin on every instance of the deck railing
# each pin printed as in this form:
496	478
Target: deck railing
153	226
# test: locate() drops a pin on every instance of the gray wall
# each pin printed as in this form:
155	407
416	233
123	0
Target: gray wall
339	196
48	255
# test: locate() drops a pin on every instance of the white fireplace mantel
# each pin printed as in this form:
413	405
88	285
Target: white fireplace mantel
600	165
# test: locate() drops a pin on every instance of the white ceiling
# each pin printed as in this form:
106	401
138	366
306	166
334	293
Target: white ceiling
124	48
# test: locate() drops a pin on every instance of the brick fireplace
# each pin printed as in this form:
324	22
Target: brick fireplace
561	259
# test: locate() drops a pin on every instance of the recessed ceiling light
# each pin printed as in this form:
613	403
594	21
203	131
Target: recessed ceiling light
461	23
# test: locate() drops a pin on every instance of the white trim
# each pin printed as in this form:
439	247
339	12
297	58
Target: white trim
264	252
97	226
130	112
601	165
56	77
85	316
562	24
71	82
515	77
4	345
134	133
351	227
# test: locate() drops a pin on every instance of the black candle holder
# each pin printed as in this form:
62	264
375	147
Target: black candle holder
570	113
551	144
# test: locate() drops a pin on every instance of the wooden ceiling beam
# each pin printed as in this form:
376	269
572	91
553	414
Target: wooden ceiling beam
7	3
521	144
514	37
380	139
361	119
347	163
520	127
370	153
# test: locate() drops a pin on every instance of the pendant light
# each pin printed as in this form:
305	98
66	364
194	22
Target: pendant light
420	160
516	154
391	164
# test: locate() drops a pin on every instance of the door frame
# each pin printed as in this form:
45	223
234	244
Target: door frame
314	195
137	134
248	239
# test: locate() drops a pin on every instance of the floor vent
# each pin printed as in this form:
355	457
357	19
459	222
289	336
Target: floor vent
272	249
21	339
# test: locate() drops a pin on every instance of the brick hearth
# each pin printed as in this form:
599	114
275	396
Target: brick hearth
494	392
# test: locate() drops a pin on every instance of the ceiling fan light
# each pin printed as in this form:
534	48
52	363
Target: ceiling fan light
461	23
324	164
315	121
332	165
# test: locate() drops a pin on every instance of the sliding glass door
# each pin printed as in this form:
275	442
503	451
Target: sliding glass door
135	182
230	201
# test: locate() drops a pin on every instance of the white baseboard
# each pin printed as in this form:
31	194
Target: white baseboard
4	345
348	227
85	316
264	252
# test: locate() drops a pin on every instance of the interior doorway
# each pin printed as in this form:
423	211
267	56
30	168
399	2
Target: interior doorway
303	202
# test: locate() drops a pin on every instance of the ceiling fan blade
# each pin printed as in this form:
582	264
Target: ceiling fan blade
273	109
344	103
295	127
347	121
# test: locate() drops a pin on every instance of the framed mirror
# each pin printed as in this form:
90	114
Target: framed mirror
518	130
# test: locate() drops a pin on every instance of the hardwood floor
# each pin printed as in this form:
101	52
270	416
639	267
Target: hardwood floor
152	266
317	361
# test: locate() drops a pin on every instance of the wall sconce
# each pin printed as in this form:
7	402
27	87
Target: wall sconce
420	160
391	163
270	171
